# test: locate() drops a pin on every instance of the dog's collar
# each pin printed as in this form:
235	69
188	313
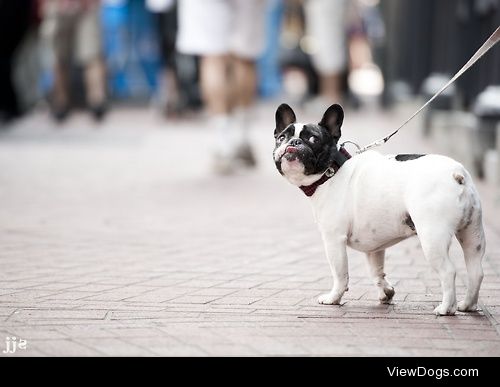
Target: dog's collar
342	157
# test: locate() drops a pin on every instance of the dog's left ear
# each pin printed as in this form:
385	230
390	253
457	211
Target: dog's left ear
333	119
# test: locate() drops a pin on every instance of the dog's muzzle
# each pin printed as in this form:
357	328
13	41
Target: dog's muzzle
291	153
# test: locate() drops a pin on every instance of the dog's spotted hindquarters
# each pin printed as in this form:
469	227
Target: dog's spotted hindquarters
370	202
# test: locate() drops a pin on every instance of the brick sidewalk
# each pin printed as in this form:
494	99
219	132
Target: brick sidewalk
118	241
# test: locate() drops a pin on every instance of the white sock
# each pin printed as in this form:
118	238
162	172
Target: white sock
221	124
240	118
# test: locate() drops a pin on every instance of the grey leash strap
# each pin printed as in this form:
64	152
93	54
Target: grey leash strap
492	40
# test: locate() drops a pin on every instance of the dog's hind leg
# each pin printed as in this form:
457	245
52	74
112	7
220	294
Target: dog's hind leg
376	263
435	241
473	243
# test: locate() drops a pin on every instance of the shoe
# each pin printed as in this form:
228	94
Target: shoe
223	164
60	114
99	111
245	155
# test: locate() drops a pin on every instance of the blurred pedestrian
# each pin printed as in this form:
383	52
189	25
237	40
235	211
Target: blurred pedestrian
73	29
166	17
15	19
229	35
337	42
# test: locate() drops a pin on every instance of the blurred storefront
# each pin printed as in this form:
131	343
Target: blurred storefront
425	37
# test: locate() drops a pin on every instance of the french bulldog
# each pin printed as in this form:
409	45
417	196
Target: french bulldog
371	201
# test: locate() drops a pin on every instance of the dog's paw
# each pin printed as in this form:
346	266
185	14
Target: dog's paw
329	299
444	310
385	296
466	307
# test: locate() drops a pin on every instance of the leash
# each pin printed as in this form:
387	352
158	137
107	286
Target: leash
492	40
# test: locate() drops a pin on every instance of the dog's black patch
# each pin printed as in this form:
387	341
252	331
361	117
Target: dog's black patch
467	218
478	248
409	222
288	131
408	157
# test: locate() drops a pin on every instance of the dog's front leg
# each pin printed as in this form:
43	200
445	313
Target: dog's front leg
335	246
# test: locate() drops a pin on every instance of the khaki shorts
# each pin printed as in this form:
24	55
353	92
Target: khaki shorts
74	36
326	26
216	27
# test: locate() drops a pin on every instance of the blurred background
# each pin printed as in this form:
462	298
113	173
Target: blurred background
59	57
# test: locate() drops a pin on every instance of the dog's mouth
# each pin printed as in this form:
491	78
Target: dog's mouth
291	153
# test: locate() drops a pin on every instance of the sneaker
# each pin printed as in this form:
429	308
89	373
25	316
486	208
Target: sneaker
99	111
223	164
245	155
60	114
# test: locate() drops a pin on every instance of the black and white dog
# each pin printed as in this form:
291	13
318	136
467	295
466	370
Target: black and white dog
370	202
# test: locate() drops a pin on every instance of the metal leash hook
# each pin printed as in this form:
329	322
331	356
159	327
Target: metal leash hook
330	172
350	142
490	42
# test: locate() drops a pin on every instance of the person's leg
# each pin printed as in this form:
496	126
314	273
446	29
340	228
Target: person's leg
215	90
89	54
95	86
244	82
247	43
330	87
62	41
205	30
214	84
60	92
325	27
15	22
8	99
170	95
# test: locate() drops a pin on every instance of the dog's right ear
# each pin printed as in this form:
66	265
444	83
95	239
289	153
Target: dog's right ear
284	117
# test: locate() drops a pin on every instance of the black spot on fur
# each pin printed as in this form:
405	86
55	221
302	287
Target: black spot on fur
409	222
407	157
468	218
459	178
478	248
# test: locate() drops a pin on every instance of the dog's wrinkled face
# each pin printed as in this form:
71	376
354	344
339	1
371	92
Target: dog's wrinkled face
304	152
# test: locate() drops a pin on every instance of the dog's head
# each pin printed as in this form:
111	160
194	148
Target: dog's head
303	152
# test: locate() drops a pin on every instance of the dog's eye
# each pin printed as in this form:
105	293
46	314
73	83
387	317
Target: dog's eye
312	139
281	138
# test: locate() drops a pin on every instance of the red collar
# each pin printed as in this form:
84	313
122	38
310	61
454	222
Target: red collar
309	190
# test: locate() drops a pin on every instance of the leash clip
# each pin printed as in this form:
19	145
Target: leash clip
330	172
342	146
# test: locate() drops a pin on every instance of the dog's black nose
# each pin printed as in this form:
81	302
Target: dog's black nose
296	142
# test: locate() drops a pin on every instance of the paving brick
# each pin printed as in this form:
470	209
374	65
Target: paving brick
40	314
115	347
194	300
62	348
233	300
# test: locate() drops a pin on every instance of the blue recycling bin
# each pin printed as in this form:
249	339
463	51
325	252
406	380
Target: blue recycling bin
131	49
268	68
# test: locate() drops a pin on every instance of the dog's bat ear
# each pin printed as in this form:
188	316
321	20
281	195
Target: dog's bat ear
284	117
333	119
